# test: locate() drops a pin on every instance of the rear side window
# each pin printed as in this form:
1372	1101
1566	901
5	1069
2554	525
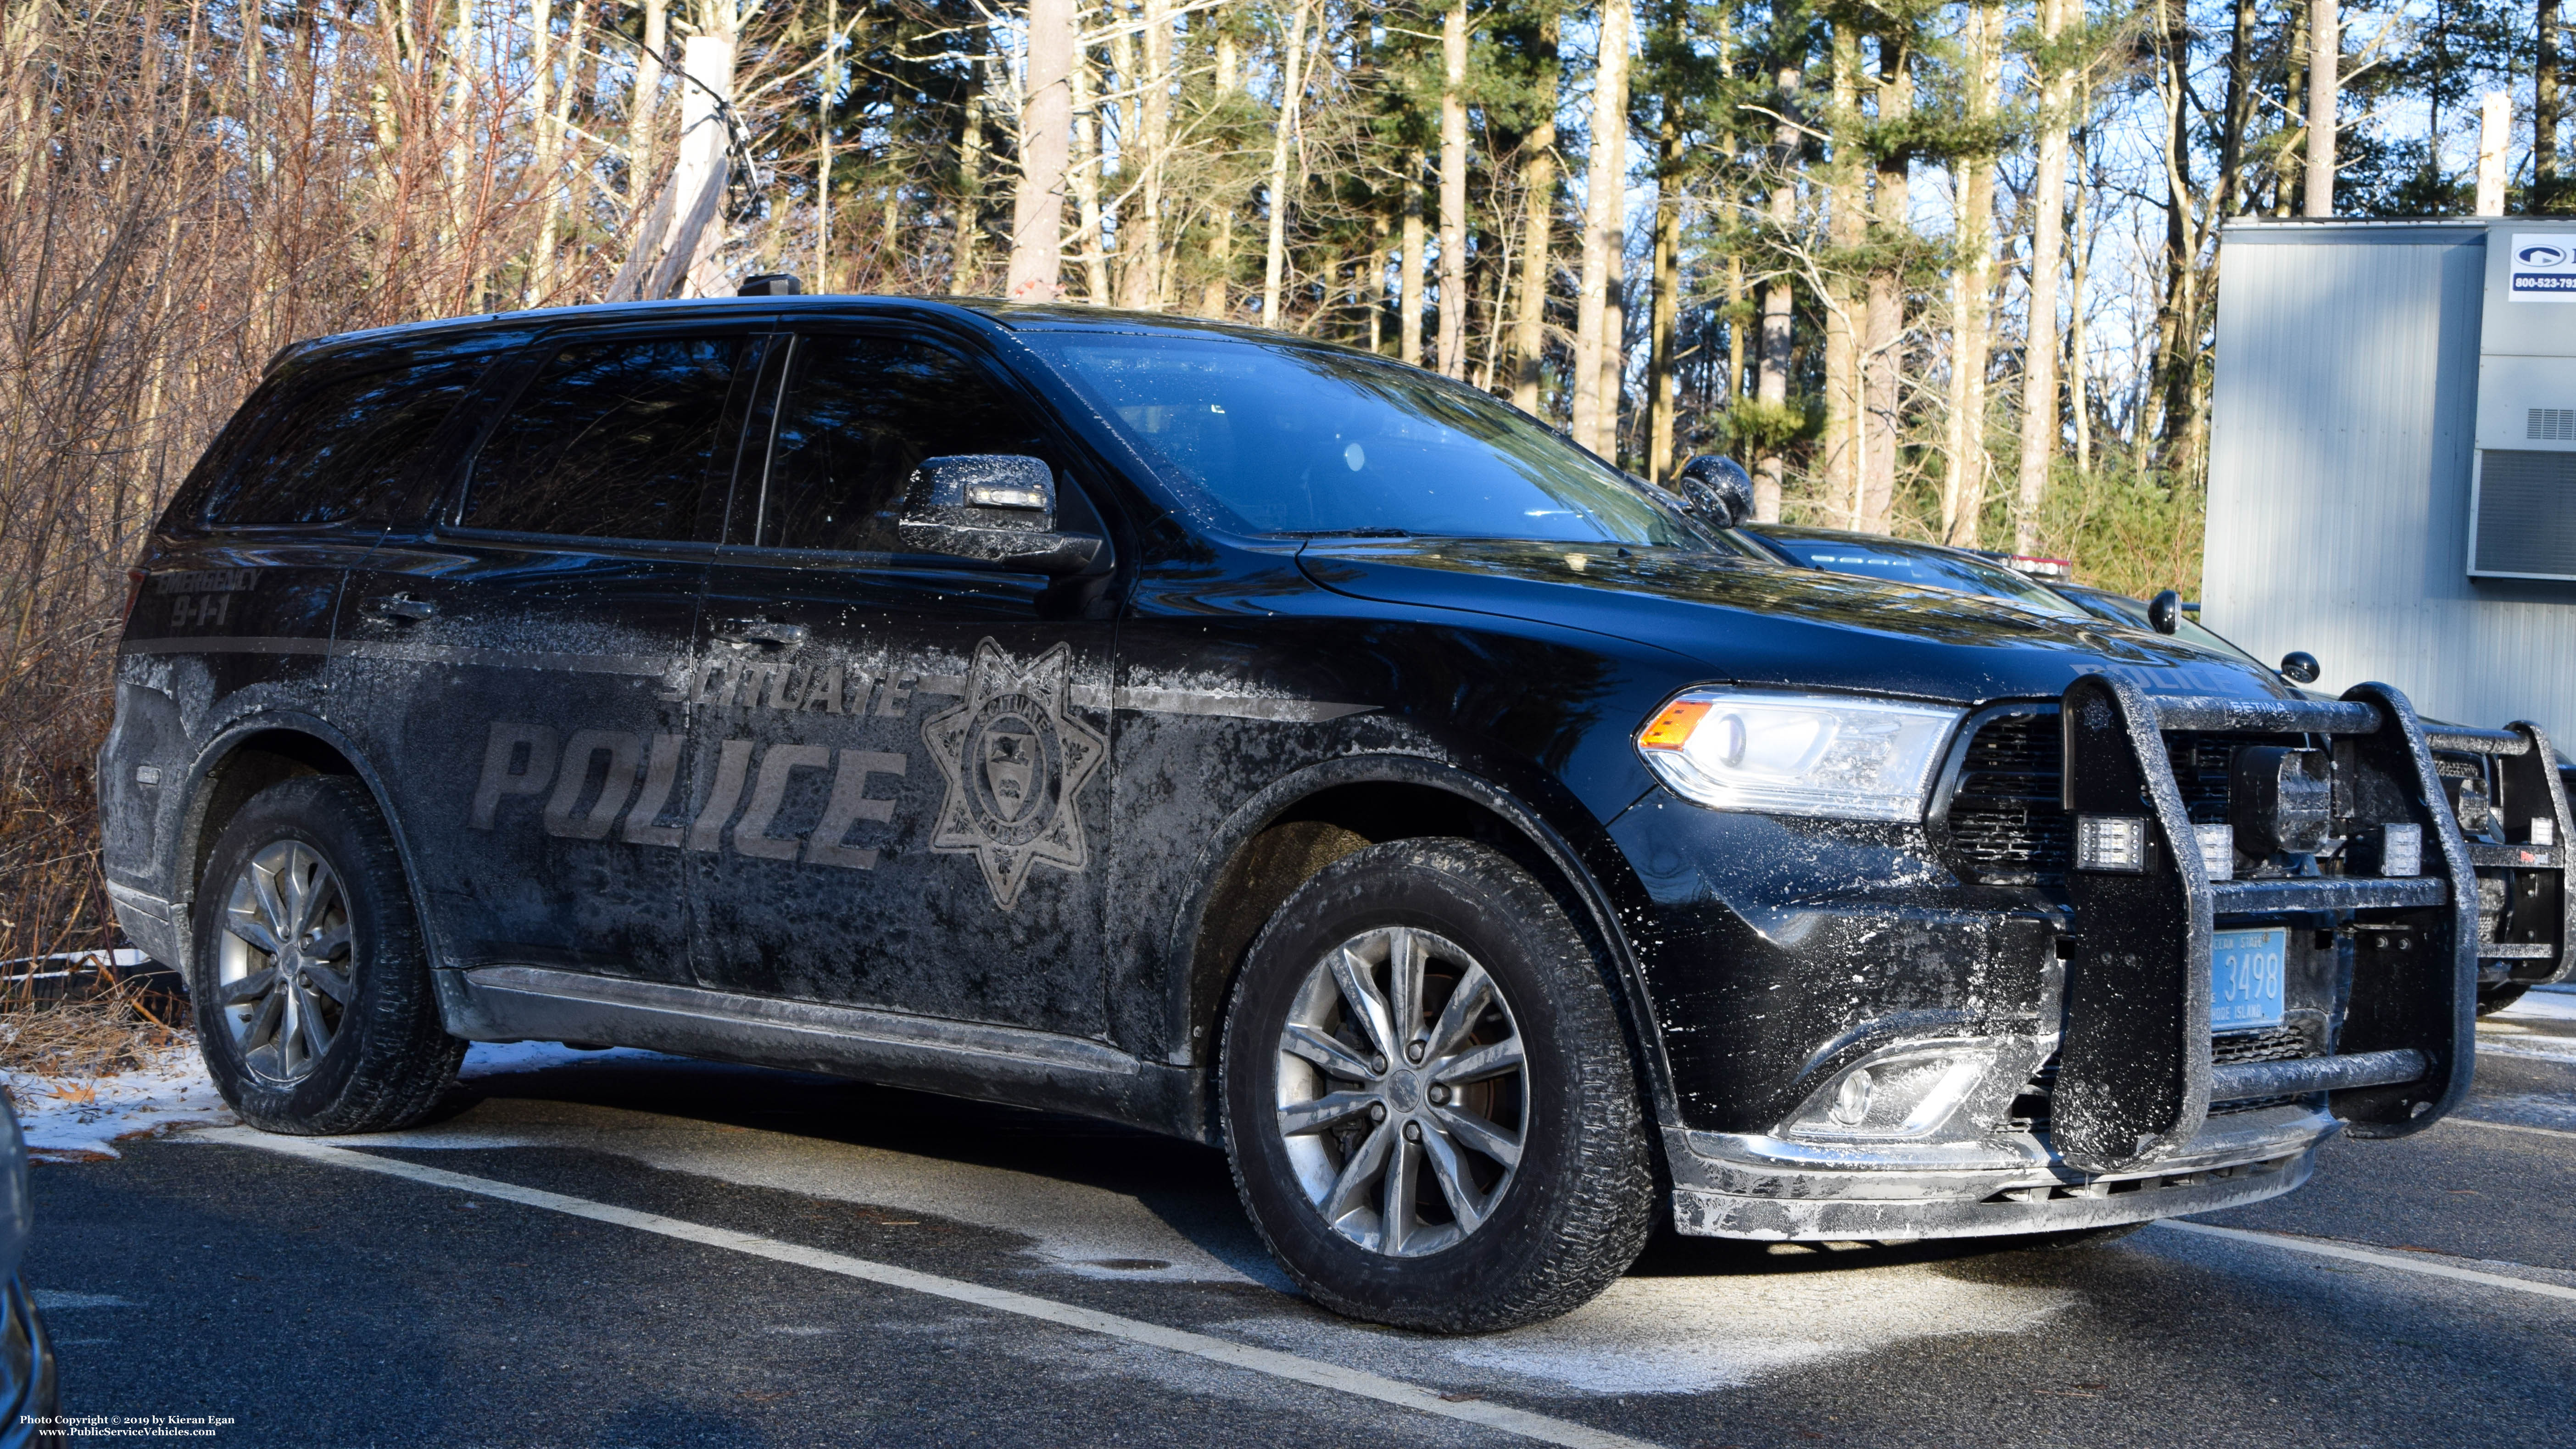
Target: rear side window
857	416
338	449
611	439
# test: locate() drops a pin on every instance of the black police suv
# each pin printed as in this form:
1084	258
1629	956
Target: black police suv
1263	743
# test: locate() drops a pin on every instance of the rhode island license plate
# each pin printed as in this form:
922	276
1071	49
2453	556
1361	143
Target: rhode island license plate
2245	978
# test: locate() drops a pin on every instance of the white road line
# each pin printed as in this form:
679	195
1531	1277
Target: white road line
2513	1127
2402	1264
1321	1375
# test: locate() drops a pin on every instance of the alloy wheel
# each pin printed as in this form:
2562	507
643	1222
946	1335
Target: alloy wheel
1403	1091
286	969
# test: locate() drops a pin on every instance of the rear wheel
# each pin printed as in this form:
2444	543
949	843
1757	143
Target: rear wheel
1428	1099
2492	999
313	1001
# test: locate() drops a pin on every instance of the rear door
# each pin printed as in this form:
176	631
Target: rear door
913	747
234	622
516	664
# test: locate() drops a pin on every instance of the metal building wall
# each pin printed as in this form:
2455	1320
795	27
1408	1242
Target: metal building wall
2341	432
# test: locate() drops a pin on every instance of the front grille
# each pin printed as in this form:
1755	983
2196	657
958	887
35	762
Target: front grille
2005	824
2006	827
2272	1044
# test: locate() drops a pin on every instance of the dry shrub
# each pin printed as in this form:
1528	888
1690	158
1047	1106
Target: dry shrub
106	1025
179	196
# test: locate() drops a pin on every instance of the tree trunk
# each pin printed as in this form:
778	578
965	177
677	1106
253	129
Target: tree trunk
1086	179
2079	381
1384	255
1140	245
1771	363
2544	108
2178	327
1846	228
1538	228
1882	363
1408	279
1453	191
2229	195
2325	63
1963	481
2039	430
1664	320
1292	84
826	82
1604	233
962	278
1046	139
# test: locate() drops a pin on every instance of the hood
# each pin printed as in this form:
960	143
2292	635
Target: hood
1753	622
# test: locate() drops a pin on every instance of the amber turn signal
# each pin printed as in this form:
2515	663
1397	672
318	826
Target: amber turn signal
1671	729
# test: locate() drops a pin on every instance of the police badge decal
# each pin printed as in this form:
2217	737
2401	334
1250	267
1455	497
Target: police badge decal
1015	762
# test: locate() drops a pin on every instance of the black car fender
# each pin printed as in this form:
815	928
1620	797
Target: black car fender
1242	884
308	744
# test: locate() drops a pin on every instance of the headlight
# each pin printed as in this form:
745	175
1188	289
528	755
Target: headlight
1798	754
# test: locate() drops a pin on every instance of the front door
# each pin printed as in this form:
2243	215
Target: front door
913	748
515	668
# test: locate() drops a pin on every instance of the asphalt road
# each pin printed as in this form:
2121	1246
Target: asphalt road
627	1250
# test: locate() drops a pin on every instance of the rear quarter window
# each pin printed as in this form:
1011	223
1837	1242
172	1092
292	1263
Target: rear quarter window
328	450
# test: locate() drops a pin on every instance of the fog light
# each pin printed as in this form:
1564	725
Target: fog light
2110	842
2217	850
1909	1092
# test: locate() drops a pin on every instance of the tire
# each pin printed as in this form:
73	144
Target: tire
352	1042
2492	999
1542	1233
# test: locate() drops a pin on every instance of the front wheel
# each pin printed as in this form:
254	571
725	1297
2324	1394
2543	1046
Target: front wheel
311	986
1428	1099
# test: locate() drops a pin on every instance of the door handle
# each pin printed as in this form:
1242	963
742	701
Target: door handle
397	608
763	632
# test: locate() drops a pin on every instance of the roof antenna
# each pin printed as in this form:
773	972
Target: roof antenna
771	284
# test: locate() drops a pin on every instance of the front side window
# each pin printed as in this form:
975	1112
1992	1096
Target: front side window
1289	439
337	450
611	439
856	416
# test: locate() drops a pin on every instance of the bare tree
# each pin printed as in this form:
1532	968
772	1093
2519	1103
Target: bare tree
1046	143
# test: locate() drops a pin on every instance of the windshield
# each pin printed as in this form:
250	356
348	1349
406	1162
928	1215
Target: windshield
1300	440
1937	568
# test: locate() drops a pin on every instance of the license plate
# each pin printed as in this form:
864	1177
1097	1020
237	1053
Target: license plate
2245	978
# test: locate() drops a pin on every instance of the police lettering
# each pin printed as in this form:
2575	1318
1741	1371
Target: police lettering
591	780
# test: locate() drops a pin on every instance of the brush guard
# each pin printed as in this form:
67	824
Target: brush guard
2135	1079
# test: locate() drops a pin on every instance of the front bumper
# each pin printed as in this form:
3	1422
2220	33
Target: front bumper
1731	1185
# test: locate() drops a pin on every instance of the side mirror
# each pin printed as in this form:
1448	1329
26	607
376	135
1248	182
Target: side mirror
2164	611
997	507
1717	489
2300	667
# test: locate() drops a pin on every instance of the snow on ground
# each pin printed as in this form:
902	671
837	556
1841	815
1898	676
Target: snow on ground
72	1119
2510	1033
69	1119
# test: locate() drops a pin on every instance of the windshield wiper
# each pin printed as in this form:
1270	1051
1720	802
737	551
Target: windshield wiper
1345	533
